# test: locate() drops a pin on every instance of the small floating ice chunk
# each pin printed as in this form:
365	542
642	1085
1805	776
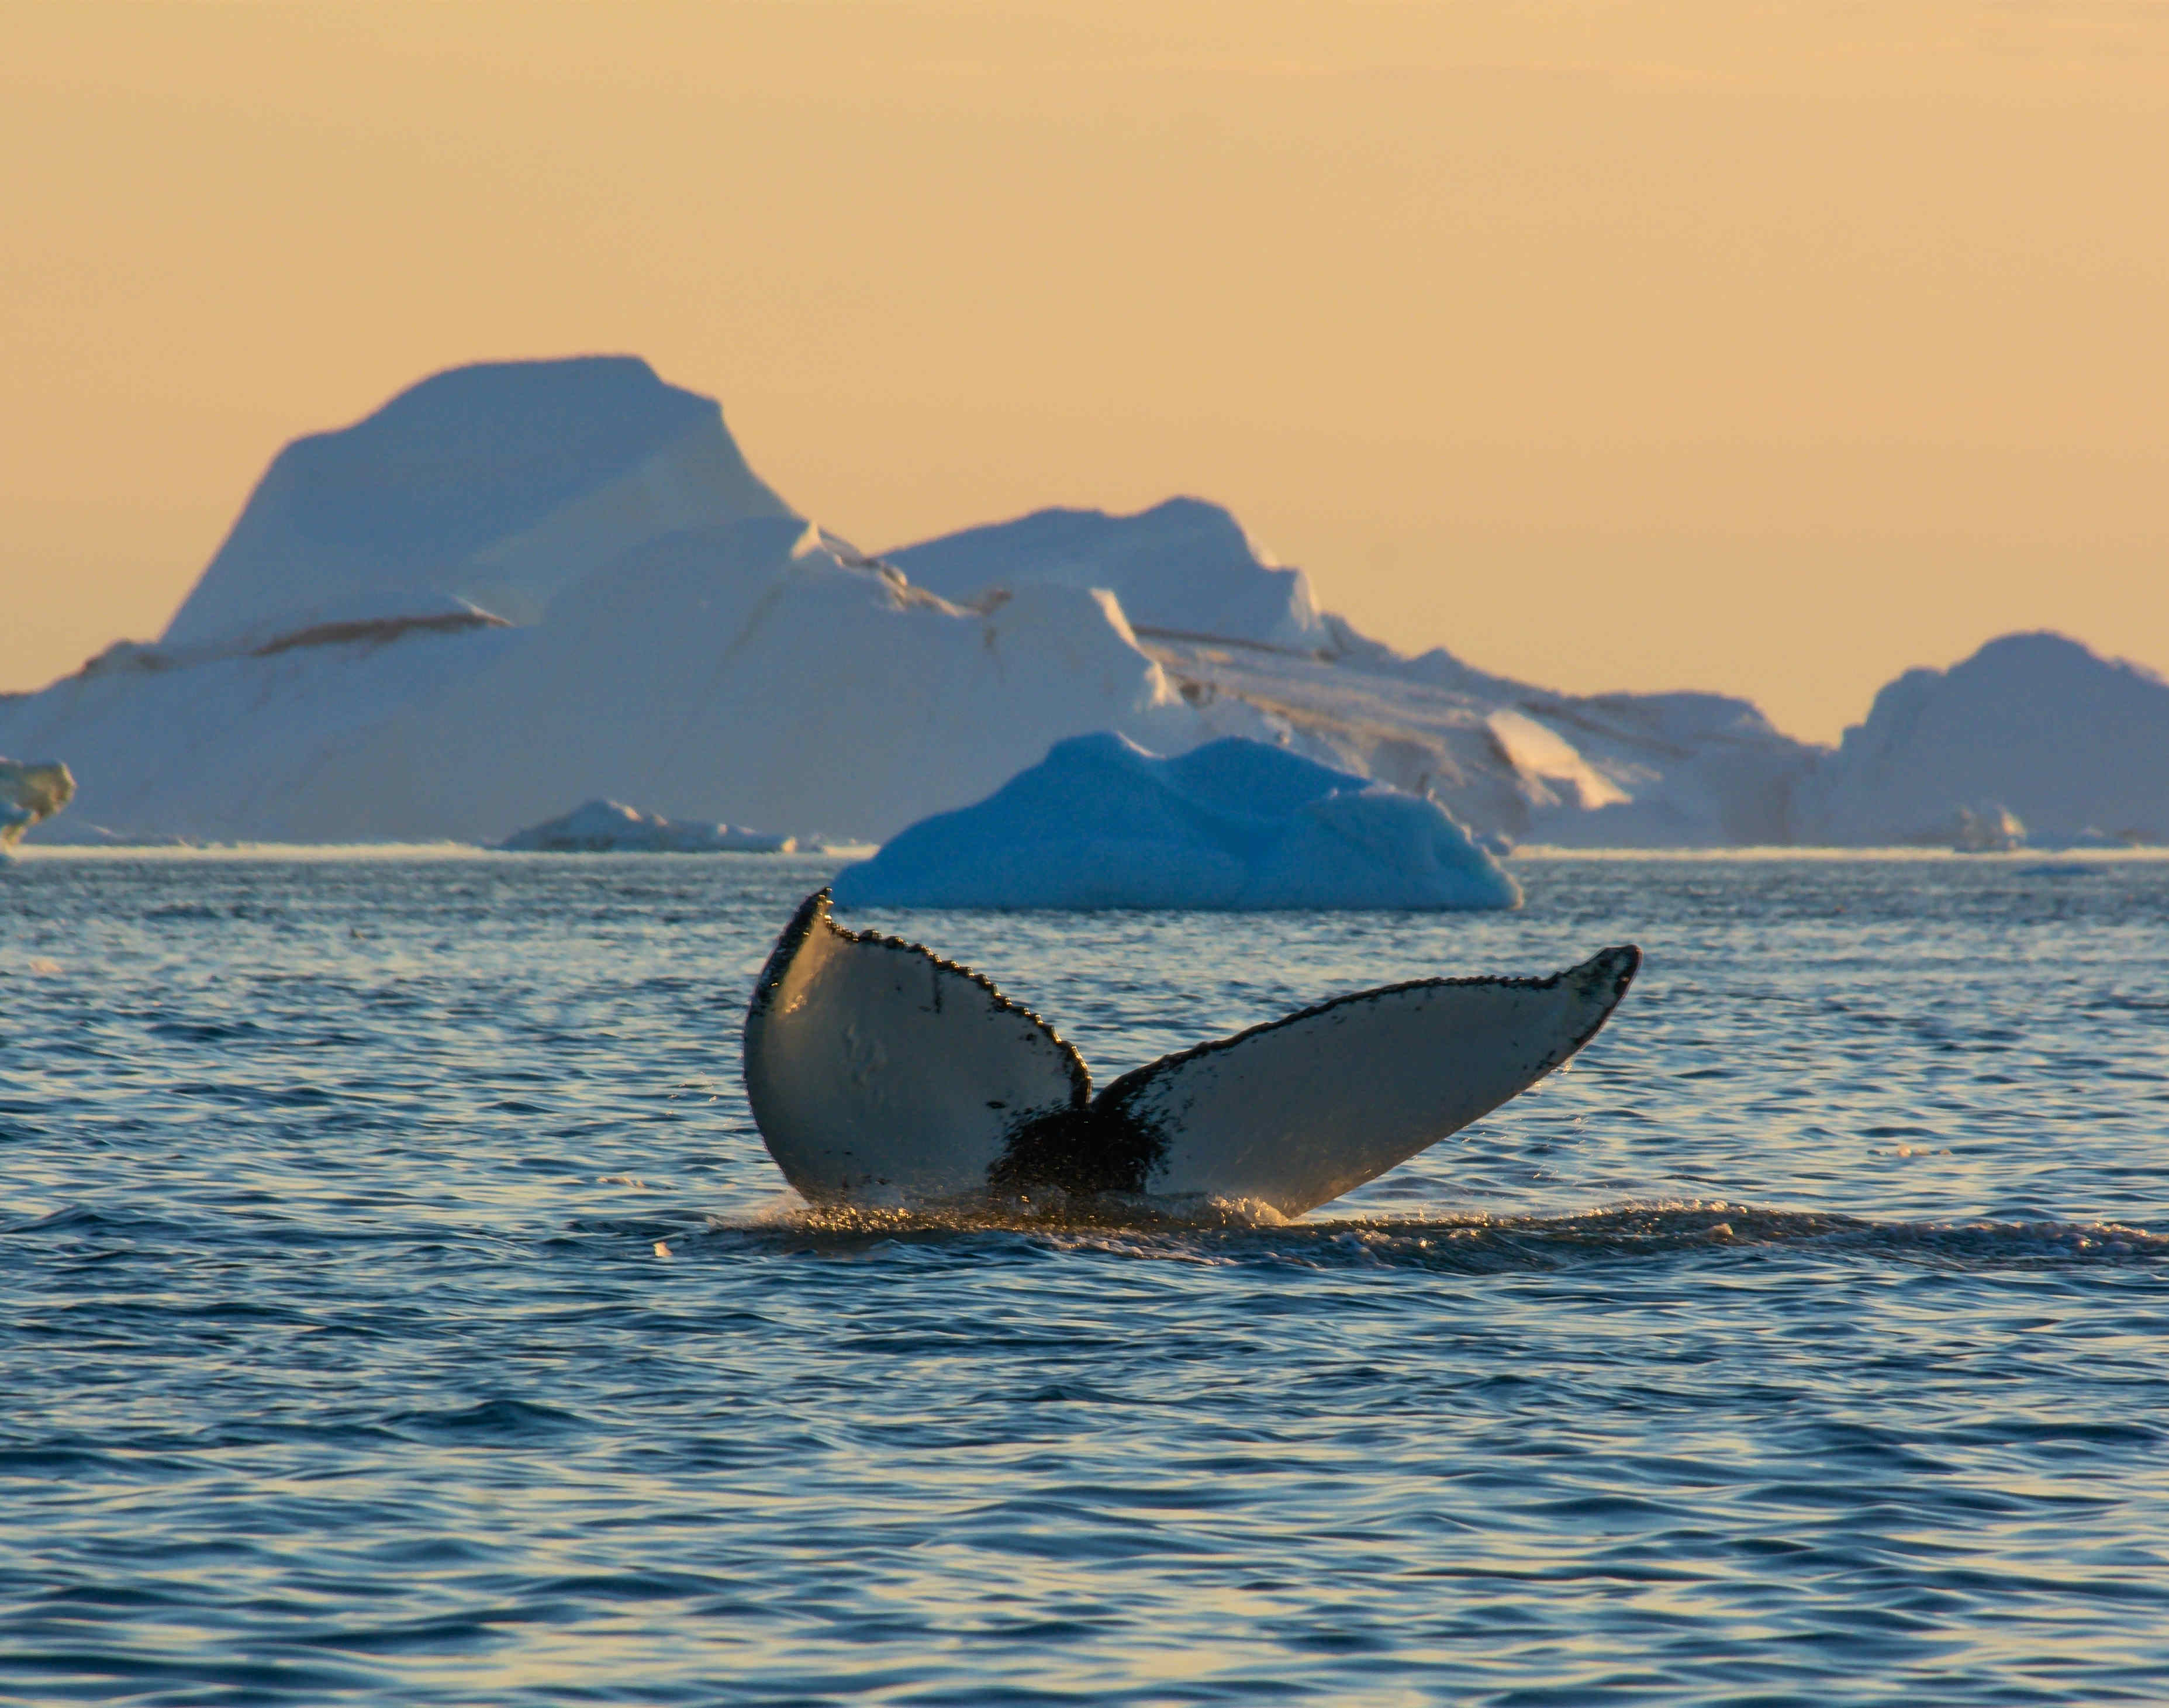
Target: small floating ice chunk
30	792
1234	825
611	827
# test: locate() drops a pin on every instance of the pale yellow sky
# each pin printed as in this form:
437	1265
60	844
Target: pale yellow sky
1763	348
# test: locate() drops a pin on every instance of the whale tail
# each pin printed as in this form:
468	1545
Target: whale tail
878	1071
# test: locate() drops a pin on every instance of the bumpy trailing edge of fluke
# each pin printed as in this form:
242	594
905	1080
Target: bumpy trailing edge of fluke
878	1072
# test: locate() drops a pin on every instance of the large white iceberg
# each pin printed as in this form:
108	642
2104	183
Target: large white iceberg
1235	824
1517	761
498	483
527	583
755	672
523	584
2033	727
749	672
611	827
30	792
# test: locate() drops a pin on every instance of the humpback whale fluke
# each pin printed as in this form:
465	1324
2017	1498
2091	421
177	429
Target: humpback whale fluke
876	1070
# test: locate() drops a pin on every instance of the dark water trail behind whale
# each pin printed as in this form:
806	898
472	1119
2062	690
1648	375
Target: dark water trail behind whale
396	1303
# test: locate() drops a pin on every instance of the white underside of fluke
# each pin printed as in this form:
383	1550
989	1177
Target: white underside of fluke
879	1072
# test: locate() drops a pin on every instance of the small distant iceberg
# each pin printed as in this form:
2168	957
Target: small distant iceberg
30	792
1234	825
1985	828
1991	828
611	827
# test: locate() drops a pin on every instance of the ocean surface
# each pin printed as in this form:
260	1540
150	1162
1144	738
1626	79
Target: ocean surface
396	1305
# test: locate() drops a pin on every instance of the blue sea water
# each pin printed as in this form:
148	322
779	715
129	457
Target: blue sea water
396	1305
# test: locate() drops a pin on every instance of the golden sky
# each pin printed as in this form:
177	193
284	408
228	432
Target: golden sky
1763	348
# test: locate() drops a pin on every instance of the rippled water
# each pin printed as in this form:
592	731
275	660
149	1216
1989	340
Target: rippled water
396	1303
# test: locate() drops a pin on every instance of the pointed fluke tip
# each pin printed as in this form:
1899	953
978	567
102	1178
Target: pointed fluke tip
1610	970
811	914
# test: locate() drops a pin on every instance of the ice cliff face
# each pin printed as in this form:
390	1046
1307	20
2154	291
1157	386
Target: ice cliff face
1518	763
745	673
225	746
497	484
753	674
2033	726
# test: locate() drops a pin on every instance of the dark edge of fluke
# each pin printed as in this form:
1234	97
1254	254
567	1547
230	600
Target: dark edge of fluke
1112	1112
1621	963
814	915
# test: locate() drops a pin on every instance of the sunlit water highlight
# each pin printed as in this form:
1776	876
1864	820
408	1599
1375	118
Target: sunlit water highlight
396	1304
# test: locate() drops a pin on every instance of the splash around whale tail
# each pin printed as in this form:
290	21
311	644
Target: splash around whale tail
879	1071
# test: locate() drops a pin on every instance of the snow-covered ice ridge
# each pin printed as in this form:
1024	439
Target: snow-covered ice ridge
1181	567
521	584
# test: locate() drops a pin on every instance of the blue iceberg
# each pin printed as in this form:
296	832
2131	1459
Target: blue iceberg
1232	825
